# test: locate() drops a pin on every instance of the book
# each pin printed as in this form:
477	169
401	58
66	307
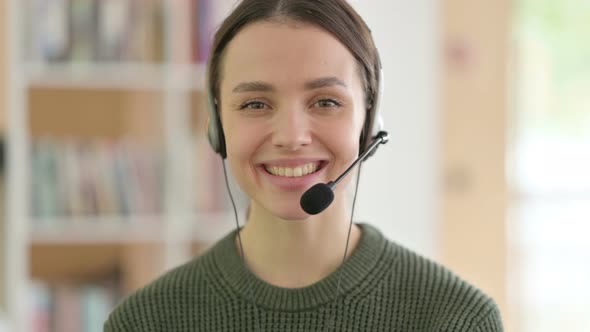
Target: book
95	178
48	30
180	23
87	31
67	315
72	306
97	303
83	27
40	306
113	29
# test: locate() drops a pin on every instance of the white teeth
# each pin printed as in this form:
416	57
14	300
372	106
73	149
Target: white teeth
293	172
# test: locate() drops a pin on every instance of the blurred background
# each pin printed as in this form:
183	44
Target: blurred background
107	180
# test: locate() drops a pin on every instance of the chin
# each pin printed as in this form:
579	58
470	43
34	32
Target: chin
286	210
291	215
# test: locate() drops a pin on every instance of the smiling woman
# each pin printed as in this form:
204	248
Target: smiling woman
309	108
294	88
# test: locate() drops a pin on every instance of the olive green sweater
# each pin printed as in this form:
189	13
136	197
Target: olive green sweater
384	287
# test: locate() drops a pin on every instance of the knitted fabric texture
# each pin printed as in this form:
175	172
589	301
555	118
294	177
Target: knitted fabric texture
384	287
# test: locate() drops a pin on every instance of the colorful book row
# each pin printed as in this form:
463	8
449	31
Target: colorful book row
71	308
122	30
98	178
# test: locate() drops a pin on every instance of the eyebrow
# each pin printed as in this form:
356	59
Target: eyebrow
258	86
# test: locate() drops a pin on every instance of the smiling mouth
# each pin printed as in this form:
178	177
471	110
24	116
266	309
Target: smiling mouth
298	171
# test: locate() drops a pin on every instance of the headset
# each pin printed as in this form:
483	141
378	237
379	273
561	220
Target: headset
373	122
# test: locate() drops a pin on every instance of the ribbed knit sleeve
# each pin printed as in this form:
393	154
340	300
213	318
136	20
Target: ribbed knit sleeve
382	287
491	322
112	325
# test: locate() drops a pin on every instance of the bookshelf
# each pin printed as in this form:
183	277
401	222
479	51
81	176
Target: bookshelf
110	181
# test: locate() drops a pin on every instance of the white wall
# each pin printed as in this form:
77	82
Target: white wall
399	185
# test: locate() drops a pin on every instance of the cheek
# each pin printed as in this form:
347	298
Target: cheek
348	135
240	147
241	138
342	139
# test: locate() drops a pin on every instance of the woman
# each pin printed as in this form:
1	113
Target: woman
294	88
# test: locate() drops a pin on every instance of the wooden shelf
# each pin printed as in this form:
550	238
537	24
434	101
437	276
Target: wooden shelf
66	263
120	76
87	114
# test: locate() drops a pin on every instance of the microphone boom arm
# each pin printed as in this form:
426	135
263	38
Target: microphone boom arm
381	138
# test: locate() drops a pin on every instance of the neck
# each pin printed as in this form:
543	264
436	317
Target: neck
295	254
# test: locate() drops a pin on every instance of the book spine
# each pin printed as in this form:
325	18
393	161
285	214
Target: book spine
113	29
83	28
195	31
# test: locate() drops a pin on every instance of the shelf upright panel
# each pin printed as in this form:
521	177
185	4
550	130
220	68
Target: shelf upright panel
17	185
177	136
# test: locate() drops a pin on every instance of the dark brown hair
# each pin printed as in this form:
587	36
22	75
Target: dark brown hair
334	16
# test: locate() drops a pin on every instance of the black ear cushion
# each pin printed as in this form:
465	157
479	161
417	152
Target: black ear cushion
215	131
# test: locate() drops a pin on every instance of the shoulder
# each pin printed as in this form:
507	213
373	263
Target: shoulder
438	296
162	301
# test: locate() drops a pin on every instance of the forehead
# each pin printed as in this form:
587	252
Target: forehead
288	52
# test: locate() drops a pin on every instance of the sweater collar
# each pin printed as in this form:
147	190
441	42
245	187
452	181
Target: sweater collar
363	260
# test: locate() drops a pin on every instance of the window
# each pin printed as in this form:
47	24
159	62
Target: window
549	166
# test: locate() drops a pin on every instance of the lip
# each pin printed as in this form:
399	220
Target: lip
284	183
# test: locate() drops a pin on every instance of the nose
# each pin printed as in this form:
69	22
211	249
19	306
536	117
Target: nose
291	129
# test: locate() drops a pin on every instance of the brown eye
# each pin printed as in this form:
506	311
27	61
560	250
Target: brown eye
253	105
328	103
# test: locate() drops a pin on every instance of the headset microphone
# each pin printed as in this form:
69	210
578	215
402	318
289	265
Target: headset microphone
317	198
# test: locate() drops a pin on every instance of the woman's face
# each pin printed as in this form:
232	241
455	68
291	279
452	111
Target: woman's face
292	109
